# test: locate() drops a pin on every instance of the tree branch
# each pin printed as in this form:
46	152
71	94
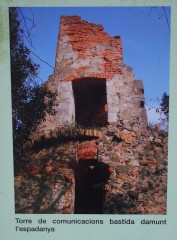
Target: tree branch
161	15
28	37
166	18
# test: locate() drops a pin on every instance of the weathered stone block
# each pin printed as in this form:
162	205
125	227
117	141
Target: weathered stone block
123	169
112	117
126	136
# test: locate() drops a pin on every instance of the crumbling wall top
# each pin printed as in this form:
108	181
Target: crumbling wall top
86	50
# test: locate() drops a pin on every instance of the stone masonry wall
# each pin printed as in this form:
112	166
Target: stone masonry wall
135	164
84	50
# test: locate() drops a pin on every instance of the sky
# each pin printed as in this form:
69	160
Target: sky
145	39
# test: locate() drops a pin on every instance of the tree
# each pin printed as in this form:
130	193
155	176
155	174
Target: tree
30	100
165	105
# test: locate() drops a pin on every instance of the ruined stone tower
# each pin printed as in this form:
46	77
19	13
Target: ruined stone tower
108	162
94	86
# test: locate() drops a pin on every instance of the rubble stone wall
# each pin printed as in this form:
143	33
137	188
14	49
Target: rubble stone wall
136	180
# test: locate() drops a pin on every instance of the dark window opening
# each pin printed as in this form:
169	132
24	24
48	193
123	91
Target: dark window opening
142	104
89	187
90	101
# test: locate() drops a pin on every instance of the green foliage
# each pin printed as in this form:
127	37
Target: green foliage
165	105
30	101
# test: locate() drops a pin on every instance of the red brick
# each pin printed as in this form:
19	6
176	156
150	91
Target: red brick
87	150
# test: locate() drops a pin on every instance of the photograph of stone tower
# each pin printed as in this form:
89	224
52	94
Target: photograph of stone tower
95	152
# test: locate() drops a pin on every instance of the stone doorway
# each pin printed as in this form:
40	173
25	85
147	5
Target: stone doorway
90	101
90	178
